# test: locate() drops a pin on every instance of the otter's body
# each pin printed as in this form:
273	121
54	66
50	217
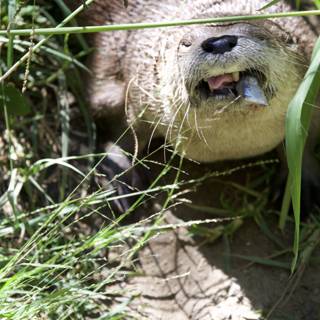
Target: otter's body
181	82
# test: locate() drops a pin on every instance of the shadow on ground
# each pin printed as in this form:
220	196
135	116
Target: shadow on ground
181	277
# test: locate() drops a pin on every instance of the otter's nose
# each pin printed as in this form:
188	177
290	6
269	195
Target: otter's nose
219	45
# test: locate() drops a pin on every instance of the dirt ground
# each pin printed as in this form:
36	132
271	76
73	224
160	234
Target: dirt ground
180	277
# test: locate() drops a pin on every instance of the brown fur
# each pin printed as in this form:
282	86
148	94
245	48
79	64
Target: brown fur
160	76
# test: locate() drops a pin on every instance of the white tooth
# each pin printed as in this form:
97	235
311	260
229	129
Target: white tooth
236	76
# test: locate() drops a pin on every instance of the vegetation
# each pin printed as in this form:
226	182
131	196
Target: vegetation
56	231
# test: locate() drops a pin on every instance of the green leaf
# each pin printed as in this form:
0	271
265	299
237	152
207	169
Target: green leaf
17	104
297	124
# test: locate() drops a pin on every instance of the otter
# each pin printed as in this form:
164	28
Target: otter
216	92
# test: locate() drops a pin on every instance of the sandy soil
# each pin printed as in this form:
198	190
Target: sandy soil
180	277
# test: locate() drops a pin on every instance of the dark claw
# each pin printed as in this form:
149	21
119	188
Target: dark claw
118	174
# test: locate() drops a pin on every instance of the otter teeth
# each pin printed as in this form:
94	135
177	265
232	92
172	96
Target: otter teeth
248	87
236	76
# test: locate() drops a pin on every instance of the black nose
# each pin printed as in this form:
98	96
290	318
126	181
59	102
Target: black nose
220	45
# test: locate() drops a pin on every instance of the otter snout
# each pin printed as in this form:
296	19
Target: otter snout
241	66
219	45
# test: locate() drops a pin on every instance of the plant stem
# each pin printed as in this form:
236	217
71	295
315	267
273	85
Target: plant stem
133	26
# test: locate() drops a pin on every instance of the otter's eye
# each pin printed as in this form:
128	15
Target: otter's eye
186	43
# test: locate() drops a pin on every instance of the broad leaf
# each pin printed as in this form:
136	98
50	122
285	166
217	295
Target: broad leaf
297	124
17	104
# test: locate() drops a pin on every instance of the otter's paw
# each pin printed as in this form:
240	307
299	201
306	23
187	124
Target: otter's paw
117	174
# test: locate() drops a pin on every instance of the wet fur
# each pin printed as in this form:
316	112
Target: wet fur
160	75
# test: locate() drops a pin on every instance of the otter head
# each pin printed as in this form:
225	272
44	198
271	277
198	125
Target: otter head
217	63
224	89
218	91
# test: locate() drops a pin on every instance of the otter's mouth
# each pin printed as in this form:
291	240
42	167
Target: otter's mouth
247	85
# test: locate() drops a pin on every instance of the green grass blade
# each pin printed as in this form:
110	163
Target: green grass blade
26	56
297	124
12	7
263	261
146	25
298	3
270	4
67	12
285	206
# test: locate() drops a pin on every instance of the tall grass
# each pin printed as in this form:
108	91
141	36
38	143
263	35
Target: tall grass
57	236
